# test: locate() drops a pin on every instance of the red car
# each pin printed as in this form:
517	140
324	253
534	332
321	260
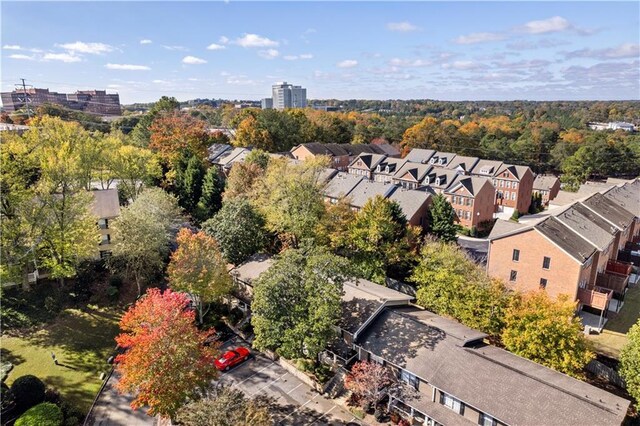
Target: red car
232	358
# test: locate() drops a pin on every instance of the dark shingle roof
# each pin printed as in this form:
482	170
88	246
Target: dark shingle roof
588	225
609	210
465	163
544	182
418	155
367	189
626	196
486	167
341	185
452	357
576	246
410	200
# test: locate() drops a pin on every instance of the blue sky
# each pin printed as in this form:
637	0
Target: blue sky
367	50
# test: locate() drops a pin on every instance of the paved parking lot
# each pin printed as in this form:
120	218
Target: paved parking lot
293	402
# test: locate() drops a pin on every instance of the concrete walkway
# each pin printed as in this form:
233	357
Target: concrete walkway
113	409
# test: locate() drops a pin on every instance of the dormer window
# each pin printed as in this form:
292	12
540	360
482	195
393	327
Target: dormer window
442	160
432	161
427	180
386	169
378	169
438	181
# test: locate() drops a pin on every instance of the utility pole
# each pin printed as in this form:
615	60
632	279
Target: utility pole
26	97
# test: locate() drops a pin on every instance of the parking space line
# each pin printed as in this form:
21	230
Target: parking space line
299	408
257	372
294	388
268	384
324	414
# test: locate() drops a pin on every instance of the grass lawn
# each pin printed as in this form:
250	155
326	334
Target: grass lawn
82	342
614	334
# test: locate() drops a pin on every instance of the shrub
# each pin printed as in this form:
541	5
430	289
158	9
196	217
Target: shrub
515	216
28	391
357	412
112	292
51	305
45	414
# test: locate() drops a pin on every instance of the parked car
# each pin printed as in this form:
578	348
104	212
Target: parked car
232	358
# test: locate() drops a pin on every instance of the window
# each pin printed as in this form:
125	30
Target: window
546	263
506	195
105	240
486	420
467	215
103	223
409	379
513	275
516	255
501	183
513	196
543	283
508	184
452	403
515	185
378	169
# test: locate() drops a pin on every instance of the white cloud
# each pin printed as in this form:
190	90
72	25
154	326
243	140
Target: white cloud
127	67
64	57
114	86
461	65
214	46
554	24
240	80
254	40
24	57
11	47
82	47
479	38
347	63
403	27
296	57
145	41
192	60
160	81
223	40
269	54
397	62
626	50
182	48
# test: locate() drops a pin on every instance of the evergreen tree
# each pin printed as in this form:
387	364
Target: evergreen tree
630	362
192	184
211	198
442	219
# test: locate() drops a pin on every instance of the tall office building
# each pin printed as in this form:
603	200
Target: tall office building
286	95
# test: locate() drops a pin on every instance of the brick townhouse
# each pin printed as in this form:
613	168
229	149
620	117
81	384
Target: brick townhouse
472	199
574	252
341	154
547	187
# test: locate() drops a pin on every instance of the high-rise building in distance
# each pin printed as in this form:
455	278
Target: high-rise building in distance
91	101
285	95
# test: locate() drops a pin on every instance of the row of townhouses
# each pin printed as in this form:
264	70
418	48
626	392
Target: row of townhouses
448	372
584	250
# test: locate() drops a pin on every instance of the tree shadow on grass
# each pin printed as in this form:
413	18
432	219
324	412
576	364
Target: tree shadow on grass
7	356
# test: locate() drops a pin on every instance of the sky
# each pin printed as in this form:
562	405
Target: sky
343	50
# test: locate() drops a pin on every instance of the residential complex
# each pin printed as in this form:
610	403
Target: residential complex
285	95
547	187
91	101
341	154
583	250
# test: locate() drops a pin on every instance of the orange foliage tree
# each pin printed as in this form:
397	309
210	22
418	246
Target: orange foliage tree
166	362
366	381
175	135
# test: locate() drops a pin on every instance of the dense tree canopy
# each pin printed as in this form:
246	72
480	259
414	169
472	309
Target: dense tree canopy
630	362
442	219
296	302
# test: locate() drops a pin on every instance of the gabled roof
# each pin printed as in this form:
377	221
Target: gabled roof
442	178
517	171
626	196
417	170
453	358
410	200
394	165
388	149
563	237
217	149
465	163
341	185
545	182
361	148
369	160
588	225
418	155
227	158
105	203
472	184
604	207
367	189
503	227
441	158
317	148
486	167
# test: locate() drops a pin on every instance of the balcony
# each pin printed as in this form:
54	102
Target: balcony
613	281
618	267
596	297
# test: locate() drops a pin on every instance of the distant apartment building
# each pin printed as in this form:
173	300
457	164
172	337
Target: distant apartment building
285	95
613	125
91	101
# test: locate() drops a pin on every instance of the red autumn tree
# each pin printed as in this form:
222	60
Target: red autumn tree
166	361
366	380
198	268
175	135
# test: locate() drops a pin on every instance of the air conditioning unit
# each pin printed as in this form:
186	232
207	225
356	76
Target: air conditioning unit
32	277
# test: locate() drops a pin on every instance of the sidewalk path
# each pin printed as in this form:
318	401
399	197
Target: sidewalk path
113	409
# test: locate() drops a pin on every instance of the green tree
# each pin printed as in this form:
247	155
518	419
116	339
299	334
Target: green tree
442	219
211	199
133	166
197	267
450	284
290	198
141	235
297	302
380	240
227	407
630	362
191	186
141	134
547	332
241	180
258	157
238	228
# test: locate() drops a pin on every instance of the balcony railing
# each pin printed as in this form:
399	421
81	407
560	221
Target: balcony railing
612	281
596	297
618	267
